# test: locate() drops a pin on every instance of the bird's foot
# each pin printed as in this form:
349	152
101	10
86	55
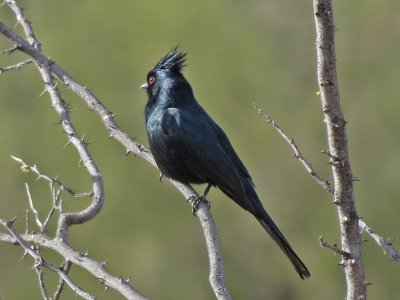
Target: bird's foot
196	201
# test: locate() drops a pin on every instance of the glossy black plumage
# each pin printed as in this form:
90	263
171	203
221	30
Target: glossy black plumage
190	147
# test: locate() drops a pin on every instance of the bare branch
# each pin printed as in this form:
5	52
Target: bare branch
386	244
333	247
108	119
325	184
80	259
35	212
39	261
42	286
337	142
52	180
66	266
16	66
11	50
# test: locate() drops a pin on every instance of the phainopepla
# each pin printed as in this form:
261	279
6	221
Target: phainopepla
190	147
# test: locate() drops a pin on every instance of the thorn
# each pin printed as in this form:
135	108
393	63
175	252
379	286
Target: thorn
42	93
105	289
24	255
367	283
103	264
355	178
38	262
11	222
127	152
79	163
57	123
67	144
110	115
128	279
161	176
140	147
336	202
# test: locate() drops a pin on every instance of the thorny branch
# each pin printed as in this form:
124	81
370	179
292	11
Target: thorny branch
49	69
54	181
66	266
39	261
325	184
338	148
16	66
333	247
385	243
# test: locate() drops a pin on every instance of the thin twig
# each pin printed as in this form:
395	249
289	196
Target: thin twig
53	180
97	269
35	212
16	66
386	244
66	266
39	261
333	247
42	286
325	184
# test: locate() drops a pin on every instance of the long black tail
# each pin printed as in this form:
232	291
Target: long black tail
278	237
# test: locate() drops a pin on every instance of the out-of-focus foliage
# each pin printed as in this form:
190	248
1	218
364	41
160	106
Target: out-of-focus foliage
239	52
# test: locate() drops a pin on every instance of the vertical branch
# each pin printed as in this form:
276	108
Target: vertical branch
66	219
338	150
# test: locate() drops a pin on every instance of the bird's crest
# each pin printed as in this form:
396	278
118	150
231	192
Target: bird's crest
174	60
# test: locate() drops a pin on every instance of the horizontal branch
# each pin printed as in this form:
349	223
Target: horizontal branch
16	66
333	247
97	269
39	261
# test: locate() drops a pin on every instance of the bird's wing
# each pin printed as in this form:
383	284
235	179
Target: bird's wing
198	144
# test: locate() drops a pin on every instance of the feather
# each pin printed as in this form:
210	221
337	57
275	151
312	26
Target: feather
174	61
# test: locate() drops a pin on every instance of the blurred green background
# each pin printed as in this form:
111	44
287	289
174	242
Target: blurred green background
239	52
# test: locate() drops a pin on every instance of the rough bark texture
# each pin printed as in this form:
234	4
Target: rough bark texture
338	151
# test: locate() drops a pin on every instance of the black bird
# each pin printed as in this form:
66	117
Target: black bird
190	147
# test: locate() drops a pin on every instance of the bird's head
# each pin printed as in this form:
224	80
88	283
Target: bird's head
166	73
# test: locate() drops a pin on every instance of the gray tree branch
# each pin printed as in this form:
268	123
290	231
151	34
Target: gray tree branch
338	151
39	261
48	70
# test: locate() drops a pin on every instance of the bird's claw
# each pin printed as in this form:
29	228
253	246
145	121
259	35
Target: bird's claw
197	201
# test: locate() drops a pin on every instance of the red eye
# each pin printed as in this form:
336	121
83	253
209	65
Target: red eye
151	80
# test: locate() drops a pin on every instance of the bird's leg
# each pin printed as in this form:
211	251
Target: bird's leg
197	200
